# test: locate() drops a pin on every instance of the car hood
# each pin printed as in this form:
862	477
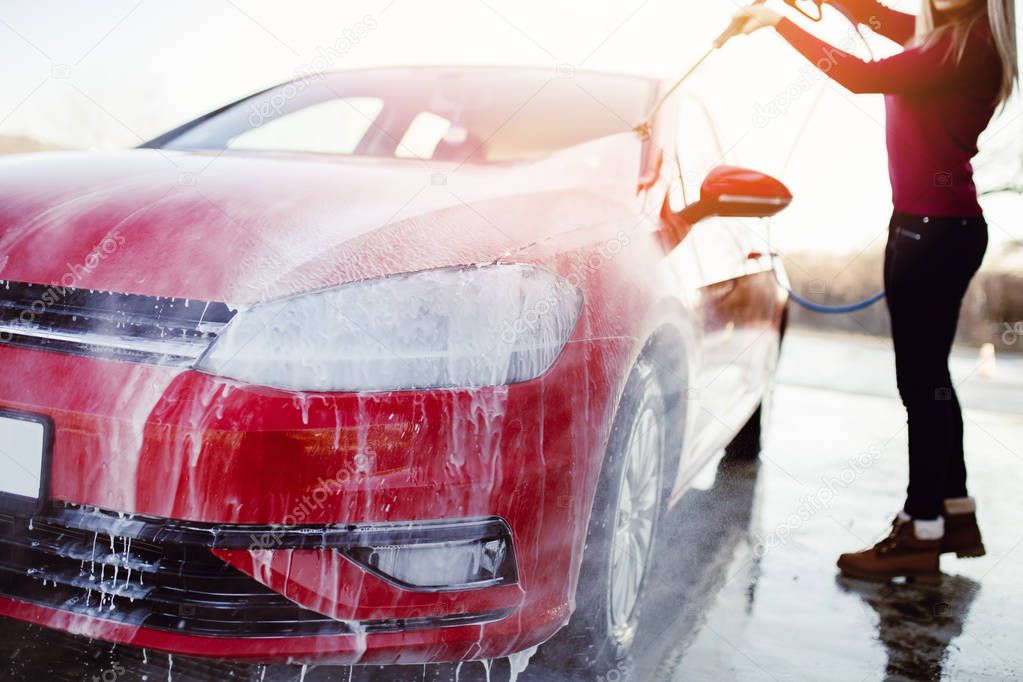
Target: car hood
249	227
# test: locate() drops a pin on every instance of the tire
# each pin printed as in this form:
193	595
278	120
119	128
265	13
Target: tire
749	442
603	626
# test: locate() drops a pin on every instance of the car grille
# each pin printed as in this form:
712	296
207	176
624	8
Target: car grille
182	588
128	327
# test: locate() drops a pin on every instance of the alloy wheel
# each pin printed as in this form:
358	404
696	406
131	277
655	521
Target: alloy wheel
634	523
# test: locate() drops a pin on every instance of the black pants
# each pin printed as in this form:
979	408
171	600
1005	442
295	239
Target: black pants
929	263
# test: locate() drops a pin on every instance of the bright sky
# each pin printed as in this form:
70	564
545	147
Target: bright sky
110	73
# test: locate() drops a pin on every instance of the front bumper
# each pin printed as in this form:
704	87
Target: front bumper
163	444
161	576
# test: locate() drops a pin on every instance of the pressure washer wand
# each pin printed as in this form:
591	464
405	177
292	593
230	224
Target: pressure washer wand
645	131
733	29
644	128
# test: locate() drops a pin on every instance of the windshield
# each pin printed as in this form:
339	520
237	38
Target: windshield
464	115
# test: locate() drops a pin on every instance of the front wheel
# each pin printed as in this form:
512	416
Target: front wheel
623	525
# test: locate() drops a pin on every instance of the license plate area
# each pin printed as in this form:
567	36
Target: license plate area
26	442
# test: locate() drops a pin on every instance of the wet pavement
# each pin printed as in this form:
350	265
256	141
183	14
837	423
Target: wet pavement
744	585
831	480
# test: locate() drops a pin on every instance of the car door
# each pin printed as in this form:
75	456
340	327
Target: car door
729	293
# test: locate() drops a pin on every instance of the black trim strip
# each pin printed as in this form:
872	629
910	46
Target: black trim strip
116	326
234	536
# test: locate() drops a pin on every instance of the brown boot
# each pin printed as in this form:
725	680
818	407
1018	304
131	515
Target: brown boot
901	554
962	534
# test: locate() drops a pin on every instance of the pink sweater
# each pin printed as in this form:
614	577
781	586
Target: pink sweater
936	107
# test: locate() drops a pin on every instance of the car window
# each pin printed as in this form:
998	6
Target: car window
333	127
697	147
719	242
463	114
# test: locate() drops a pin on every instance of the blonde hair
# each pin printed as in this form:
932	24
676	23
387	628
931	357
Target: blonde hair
1000	15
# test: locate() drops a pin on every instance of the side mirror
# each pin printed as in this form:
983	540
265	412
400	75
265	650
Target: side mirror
738	193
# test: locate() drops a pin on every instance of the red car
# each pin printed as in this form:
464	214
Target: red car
384	366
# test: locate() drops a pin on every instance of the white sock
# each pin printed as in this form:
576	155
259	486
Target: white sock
925	530
961	505
929	530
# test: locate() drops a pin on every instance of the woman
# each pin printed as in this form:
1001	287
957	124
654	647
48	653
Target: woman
958	66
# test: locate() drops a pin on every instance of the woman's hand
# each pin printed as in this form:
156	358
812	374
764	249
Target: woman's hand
747	21
757	17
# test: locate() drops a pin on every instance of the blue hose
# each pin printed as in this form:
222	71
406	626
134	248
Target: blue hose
820	307
835	309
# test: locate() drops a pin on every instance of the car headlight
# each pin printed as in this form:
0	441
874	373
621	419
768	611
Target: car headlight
447	328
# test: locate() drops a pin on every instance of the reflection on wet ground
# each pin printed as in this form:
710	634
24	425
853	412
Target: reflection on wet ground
743	585
916	626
